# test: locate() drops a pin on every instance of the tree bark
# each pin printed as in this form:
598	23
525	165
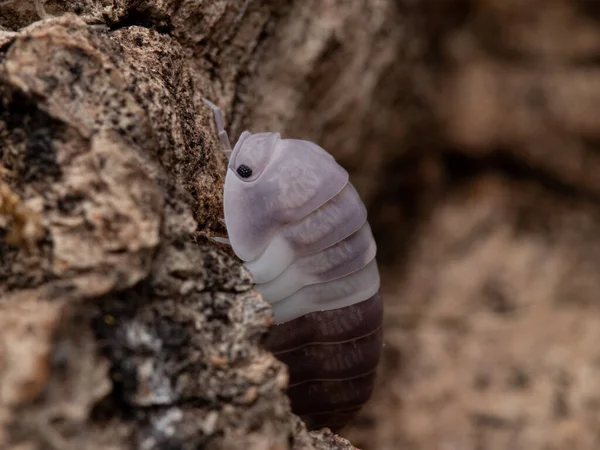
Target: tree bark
469	129
121	324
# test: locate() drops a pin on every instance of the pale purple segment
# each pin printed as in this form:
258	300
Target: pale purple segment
299	177
337	219
333	222
335	294
341	259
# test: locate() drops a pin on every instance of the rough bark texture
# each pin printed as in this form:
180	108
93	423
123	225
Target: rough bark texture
469	128
121	325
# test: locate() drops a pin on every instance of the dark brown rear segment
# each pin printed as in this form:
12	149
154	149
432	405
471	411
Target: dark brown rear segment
332	358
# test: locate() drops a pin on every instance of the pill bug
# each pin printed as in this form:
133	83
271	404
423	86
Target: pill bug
301	229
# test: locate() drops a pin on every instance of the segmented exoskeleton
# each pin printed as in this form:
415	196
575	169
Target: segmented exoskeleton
301	229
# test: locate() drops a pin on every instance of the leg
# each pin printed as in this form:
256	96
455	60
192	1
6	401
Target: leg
221	240
225	146
223	138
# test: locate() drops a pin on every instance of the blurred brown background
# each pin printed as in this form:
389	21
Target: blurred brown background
472	129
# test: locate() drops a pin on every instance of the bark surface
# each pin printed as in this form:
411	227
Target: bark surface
470	130
122	326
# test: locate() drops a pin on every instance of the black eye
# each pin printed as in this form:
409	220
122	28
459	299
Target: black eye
244	171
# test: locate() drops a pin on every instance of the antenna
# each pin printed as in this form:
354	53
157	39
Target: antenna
39	7
223	138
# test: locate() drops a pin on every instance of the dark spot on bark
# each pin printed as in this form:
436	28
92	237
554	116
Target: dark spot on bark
490	420
497	299
7	256
29	126
110	325
179	243
560	404
125	373
172	334
70	202
62	289
76	70
482	381
51	81
518	378
393	358
40	157
560	407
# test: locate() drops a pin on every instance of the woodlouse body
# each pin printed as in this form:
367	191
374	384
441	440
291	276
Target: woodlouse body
298	224
332	356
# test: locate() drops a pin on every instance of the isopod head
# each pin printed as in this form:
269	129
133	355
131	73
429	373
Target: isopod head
271	182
